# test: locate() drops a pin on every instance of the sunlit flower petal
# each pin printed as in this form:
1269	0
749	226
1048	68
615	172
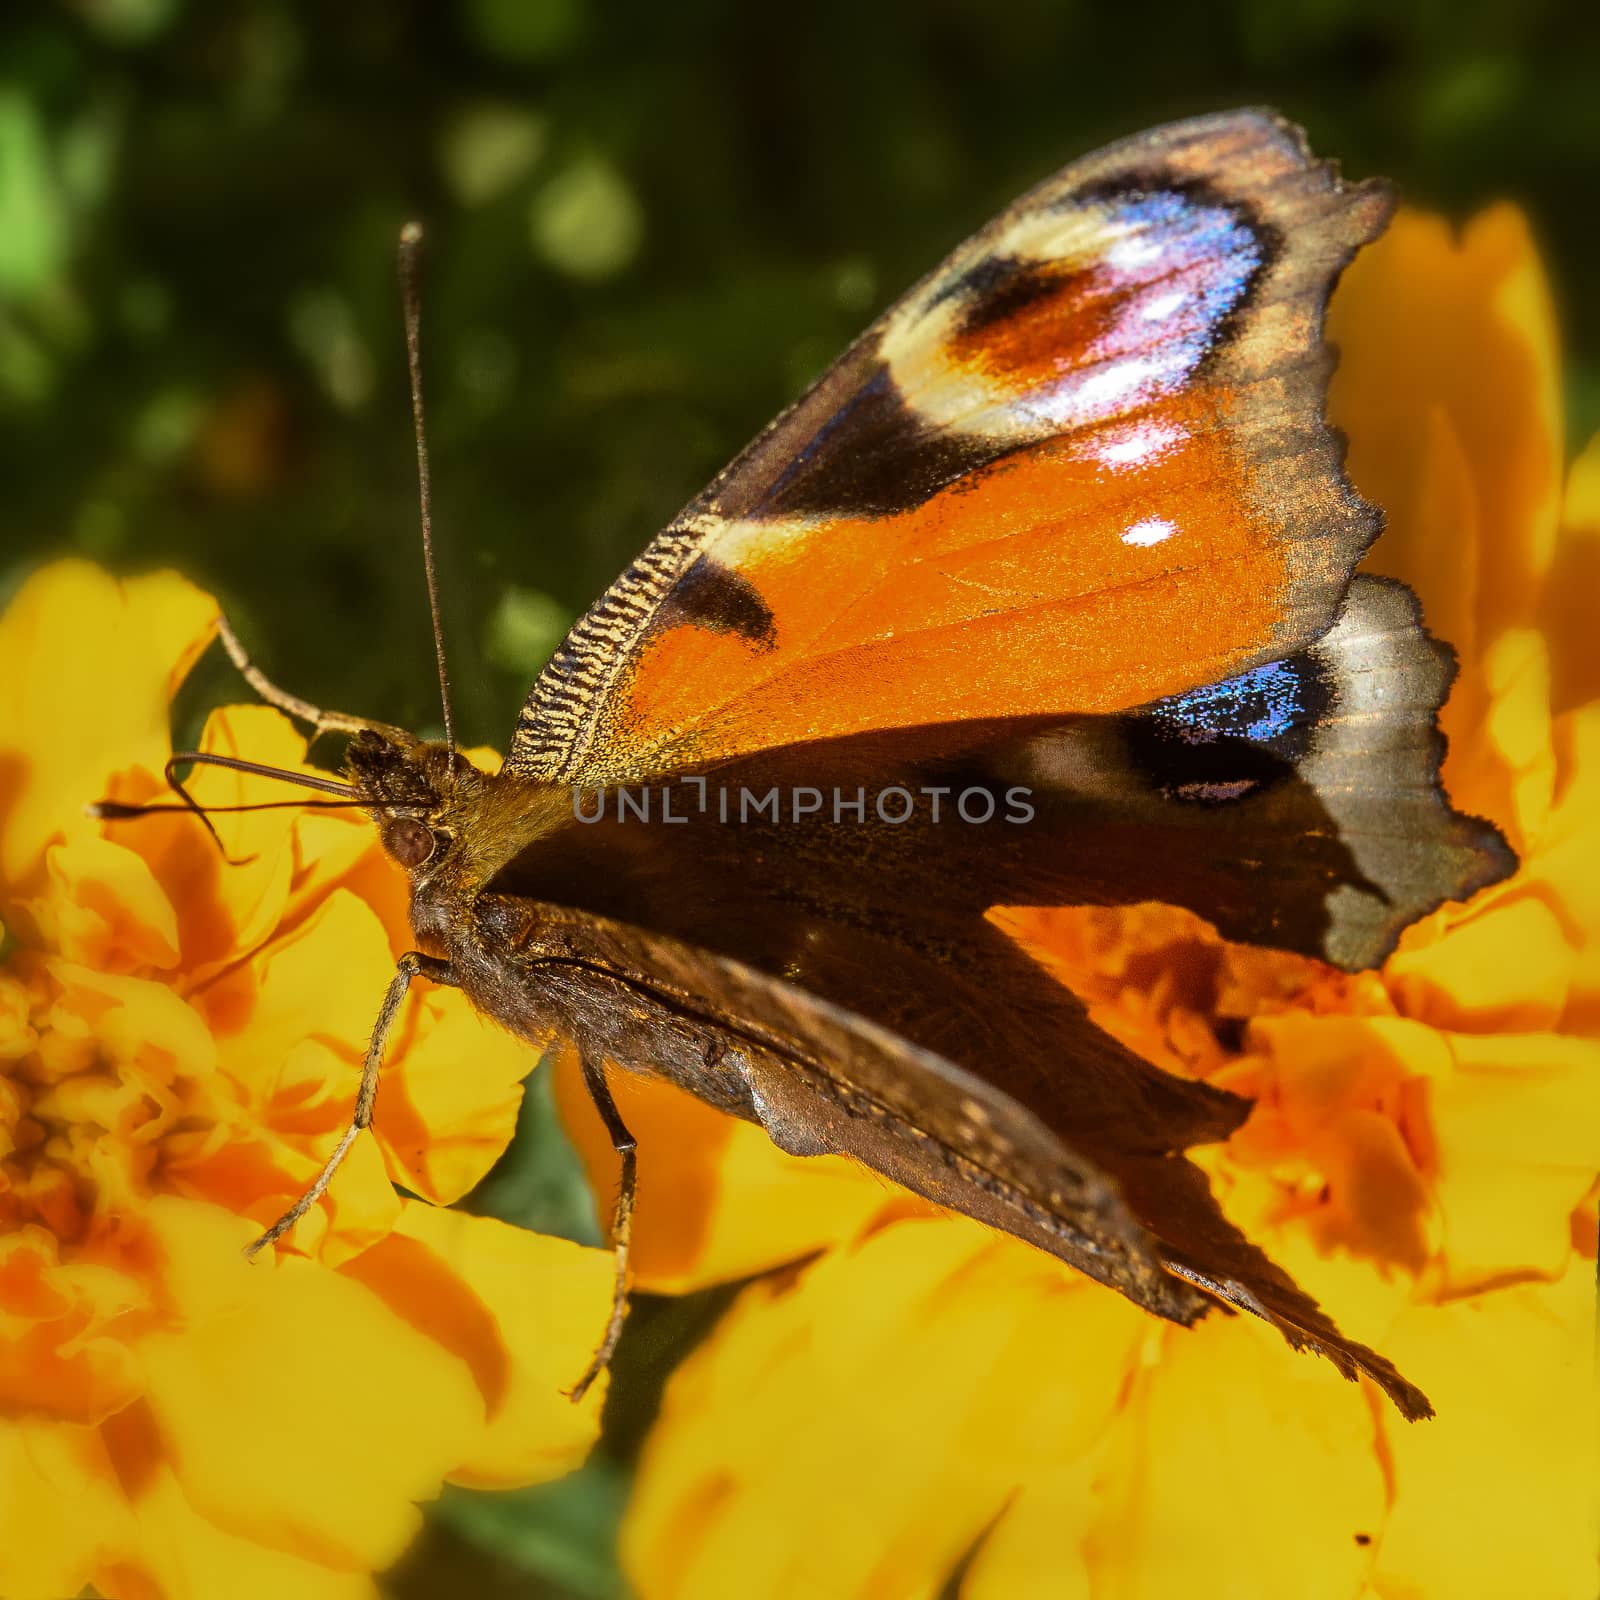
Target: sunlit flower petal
1496	1496
101	659
181	1034
1437	329
516	1308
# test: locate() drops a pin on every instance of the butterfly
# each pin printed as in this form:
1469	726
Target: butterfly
1064	542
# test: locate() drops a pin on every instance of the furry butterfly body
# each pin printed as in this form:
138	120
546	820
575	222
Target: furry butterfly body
1066	522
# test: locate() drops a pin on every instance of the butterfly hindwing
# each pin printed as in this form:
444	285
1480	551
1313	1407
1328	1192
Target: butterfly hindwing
1099	420
823	1080
1296	805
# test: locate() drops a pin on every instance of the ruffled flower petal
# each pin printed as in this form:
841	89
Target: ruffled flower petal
182	1555
1002	1412
182	1029
1516	1128
448	1106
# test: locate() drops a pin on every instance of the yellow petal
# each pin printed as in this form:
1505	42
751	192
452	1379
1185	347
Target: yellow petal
101	660
449	1102
296	1409
18	1037
326	977
1036	1550
717	1199
60	1356
895	1396
1495	1496
1505	970
1564	870
362	1207
1427	324
104	908
340	849
1517	1131
138	1025
522	1311
251	881
58	1513
186	1557
1238	1459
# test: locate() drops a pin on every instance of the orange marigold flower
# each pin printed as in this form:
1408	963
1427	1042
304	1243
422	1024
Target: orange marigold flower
930	1405
179	1043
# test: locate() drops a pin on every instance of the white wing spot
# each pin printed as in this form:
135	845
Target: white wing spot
1162	307
1126	254
1143	442
1151	531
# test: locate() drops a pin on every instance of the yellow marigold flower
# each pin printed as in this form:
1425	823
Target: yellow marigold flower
179	1044
930	1407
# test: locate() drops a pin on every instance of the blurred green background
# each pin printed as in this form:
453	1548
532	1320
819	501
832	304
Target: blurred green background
650	226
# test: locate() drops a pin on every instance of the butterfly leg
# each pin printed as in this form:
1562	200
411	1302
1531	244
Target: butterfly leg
291	704
623	1142
411	965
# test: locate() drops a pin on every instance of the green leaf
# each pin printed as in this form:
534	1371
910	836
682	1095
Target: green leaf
539	1183
587	222
566	1532
524	628
33	223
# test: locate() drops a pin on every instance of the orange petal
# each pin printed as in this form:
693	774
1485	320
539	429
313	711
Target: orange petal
1568	612
102	660
1426	323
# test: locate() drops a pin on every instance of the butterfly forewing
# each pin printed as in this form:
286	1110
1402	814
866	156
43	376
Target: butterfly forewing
1100	420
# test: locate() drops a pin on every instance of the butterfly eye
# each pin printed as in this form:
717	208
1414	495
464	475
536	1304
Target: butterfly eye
410	842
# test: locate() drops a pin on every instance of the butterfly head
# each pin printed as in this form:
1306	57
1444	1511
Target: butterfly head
450	825
417	792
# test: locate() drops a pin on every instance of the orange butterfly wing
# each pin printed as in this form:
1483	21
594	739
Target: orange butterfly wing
1081	466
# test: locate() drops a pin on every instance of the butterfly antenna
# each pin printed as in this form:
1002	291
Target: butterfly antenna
123	811
411	298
